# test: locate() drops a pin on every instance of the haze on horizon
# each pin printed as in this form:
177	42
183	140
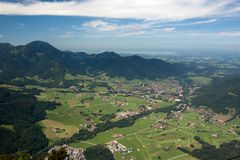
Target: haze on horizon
124	26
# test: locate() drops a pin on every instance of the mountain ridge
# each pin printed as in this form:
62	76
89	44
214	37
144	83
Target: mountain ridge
44	60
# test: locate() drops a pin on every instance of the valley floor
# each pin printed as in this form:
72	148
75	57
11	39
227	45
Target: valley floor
167	121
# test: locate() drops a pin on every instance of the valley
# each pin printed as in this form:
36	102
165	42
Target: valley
171	122
169	117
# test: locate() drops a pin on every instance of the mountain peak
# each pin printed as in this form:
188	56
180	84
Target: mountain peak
39	43
40	46
107	54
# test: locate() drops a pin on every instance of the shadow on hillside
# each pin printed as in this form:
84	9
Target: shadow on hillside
224	93
20	111
226	151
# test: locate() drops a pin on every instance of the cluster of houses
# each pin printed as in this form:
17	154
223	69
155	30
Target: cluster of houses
153	91
183	107
175	115
214	118
154	88
126	114
115	146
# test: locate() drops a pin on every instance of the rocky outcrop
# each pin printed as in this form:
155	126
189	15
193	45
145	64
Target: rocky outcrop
73	153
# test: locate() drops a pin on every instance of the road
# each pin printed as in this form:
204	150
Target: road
182	155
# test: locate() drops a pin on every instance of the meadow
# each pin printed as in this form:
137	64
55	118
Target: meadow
85	104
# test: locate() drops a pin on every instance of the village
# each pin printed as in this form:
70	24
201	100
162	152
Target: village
153	93
130	102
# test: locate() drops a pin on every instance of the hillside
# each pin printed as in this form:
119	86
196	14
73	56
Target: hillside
19	112
42	59
220	94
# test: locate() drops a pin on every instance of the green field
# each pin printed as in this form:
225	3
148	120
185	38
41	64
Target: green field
201	80
77	109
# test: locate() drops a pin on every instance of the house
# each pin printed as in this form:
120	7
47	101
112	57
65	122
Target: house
114	146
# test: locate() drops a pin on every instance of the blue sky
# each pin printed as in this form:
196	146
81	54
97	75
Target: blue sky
124	25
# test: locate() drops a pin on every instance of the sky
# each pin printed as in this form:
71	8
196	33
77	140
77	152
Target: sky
147	26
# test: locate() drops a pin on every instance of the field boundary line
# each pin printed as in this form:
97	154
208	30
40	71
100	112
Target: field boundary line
182	155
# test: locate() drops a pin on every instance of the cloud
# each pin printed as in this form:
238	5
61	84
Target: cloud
102	28
119	29
208	34
195	22
127	34
230	34
168	10
101	25
170	29
1	36
203	22
111	28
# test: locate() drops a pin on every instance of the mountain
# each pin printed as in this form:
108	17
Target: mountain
36	58
42	59
220	94
132	67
